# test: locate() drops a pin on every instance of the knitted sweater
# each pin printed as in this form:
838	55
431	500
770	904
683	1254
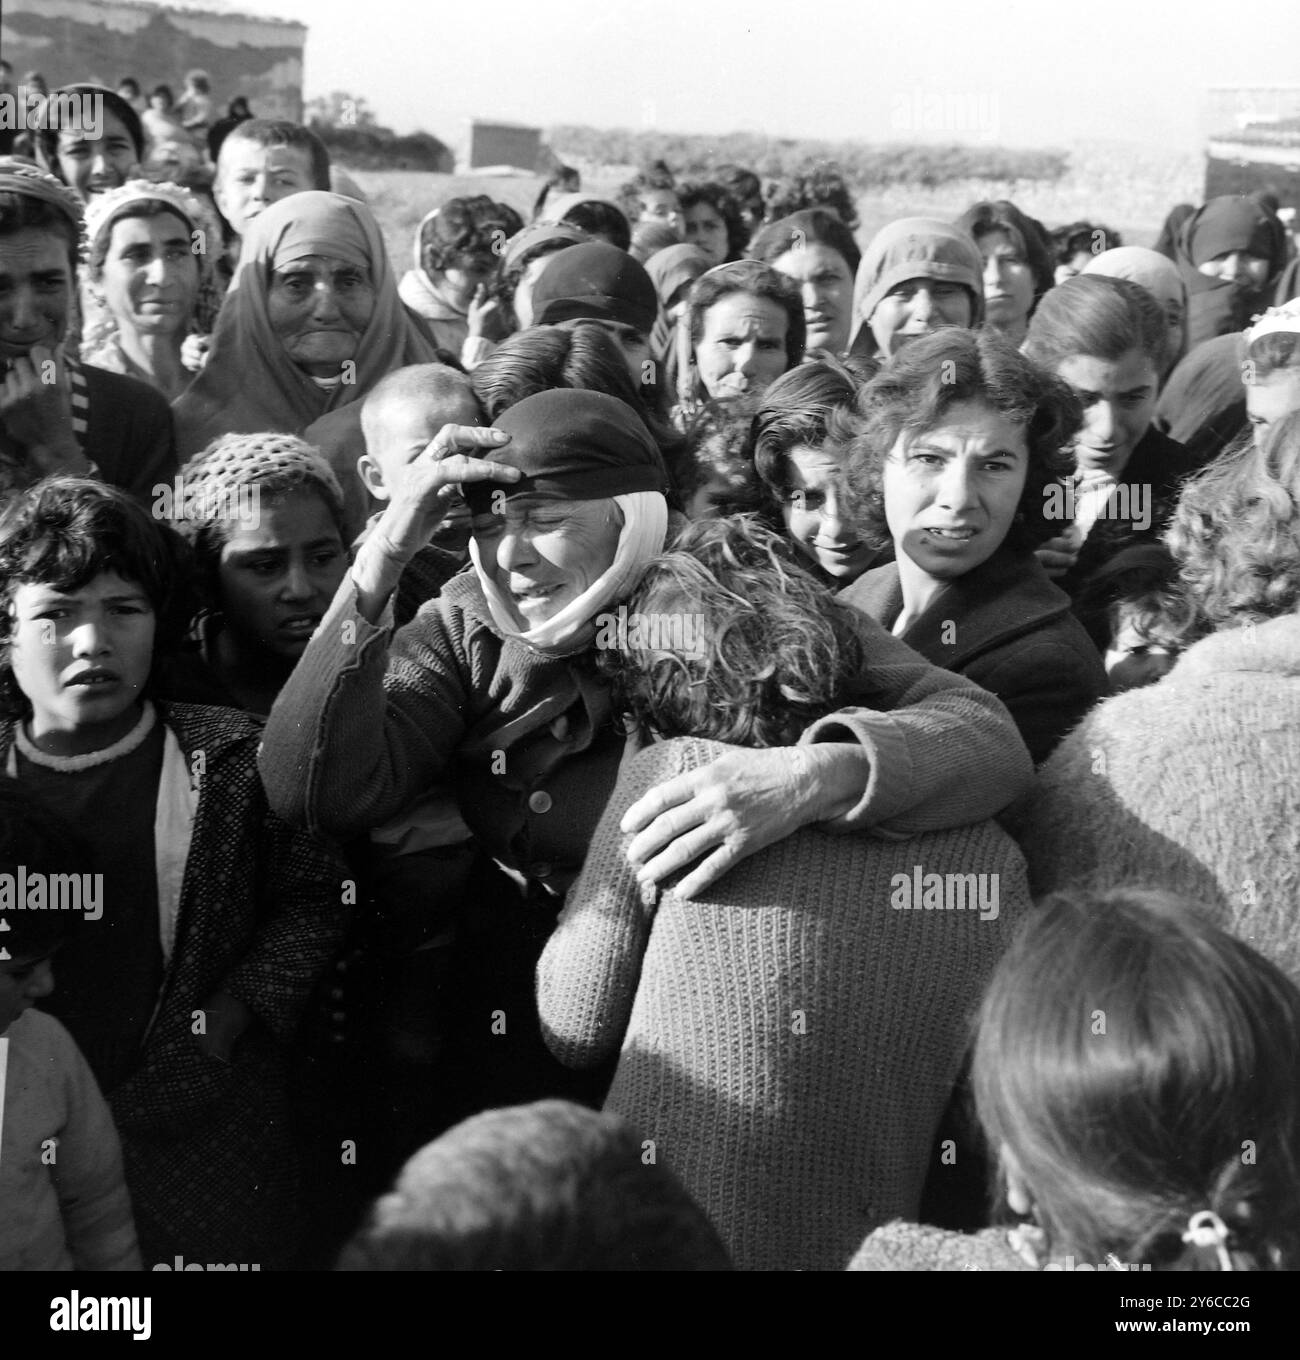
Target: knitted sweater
368	722
61	1188
1191	784
789	1039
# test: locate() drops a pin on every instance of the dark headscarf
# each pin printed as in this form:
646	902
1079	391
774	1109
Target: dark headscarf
595	281
1216	306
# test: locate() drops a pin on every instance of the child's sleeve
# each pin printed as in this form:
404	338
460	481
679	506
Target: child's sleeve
87	1173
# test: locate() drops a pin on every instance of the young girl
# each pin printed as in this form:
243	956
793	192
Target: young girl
216	918
1137	1072
266	518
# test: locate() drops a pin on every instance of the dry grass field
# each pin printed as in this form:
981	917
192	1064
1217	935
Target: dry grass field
1125	188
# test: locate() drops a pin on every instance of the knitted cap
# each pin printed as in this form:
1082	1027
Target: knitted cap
572	445
919	248
211	478
20	176
598	281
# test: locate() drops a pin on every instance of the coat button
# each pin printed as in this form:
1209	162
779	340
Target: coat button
540	801
540	869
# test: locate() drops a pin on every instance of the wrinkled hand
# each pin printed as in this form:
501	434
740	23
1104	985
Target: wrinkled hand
726	811
36	410
429	486
488	317
1059	554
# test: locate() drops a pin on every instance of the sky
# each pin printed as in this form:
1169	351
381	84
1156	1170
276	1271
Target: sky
997	72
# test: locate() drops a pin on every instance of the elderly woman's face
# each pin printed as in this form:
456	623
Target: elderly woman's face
825	284
951	493
320	307
151	275
918	307
542	553
741	350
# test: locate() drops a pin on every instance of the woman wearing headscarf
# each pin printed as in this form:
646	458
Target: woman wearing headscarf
1230	254
150	248
492	688
672	271
918	274
311	323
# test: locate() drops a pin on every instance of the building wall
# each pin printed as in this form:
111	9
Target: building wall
104	40
503	144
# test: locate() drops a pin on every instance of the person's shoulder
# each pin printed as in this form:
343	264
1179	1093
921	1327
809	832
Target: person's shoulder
44	1040
123	392
872	589
210	728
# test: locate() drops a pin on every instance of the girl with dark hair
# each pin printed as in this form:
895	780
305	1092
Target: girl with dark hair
817	251
953	461
1127	1051
1075	245
1018	267
599	218
801	467
216	918
712	221
91	159
1107	338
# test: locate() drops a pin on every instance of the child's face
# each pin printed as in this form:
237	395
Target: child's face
279	571
82	659
251	177
405	434
23	982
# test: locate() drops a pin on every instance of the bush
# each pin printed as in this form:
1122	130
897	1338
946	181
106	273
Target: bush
372	147
864	167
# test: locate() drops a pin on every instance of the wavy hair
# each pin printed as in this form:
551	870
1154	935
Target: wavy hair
1236	537
1126	1050
913	393
779	650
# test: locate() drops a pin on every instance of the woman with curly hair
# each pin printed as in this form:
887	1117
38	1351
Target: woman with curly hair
1194	783
953	462
712	221
458	249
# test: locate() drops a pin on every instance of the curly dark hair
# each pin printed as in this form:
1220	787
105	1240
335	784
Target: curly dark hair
819	185
775	649
467	229
1083	238
819	225
721	201
716	451
65	531
914	391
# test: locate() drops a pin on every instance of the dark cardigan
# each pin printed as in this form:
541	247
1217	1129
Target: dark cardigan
129	434
1009	629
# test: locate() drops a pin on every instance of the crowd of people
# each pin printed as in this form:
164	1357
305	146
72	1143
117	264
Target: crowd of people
655	737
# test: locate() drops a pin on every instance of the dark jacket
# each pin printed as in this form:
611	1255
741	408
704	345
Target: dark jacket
1158	467
209	1162
129	434
1010	630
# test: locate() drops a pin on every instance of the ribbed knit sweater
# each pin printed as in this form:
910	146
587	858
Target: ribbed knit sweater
1191	784
790	1039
